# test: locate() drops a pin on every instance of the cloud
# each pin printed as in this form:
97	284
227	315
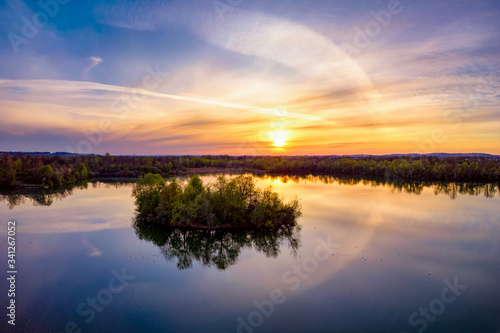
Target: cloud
231	76
95	61
61	85
283	42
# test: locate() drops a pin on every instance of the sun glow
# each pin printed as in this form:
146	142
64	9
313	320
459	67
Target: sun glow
279	138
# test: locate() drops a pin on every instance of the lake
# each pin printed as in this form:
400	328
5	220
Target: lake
368	257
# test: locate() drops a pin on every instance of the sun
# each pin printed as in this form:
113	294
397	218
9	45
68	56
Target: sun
279	138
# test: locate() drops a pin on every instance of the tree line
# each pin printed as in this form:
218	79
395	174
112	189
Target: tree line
49	170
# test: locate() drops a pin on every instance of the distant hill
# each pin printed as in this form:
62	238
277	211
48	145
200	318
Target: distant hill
440	155
462	154
44	153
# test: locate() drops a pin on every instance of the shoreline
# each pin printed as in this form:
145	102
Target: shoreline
214	171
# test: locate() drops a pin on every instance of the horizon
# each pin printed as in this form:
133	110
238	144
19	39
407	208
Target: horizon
55	153
244	78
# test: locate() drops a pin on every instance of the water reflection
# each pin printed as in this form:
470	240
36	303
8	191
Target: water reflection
46	197
219	248
39	197
401	248
452	190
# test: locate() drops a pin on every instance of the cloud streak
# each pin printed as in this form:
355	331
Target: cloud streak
95	61
60	85
293	45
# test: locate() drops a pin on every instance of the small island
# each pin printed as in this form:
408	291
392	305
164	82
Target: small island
226	203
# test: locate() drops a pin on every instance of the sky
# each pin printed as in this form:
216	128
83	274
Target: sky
244	77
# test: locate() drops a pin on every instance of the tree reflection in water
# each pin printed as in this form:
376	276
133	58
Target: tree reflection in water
451	189
46	197
40	197
217	247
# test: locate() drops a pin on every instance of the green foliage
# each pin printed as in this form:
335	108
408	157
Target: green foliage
18	165
151	180
167	167
18	169
235	202
147	193
45	171
8	177
196	185
81	172
450	169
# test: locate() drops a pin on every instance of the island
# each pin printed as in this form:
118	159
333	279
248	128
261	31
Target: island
226	203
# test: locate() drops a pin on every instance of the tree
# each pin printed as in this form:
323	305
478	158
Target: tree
8	178
147	193
197	184
235	202
81	172
46	172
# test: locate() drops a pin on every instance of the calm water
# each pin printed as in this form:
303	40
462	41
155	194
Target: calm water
367	258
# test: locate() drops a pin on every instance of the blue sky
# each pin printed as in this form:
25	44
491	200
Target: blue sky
250	77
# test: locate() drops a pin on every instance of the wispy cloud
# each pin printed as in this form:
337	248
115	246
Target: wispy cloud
82	85
232	77
94	61
284	42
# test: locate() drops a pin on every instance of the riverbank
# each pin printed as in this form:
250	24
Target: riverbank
49	171
111	178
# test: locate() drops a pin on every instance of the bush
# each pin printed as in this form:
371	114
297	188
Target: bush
147	193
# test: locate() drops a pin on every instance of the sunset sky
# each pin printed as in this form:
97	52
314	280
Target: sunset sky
245	77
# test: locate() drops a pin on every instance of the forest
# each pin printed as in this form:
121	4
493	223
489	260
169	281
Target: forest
52	171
